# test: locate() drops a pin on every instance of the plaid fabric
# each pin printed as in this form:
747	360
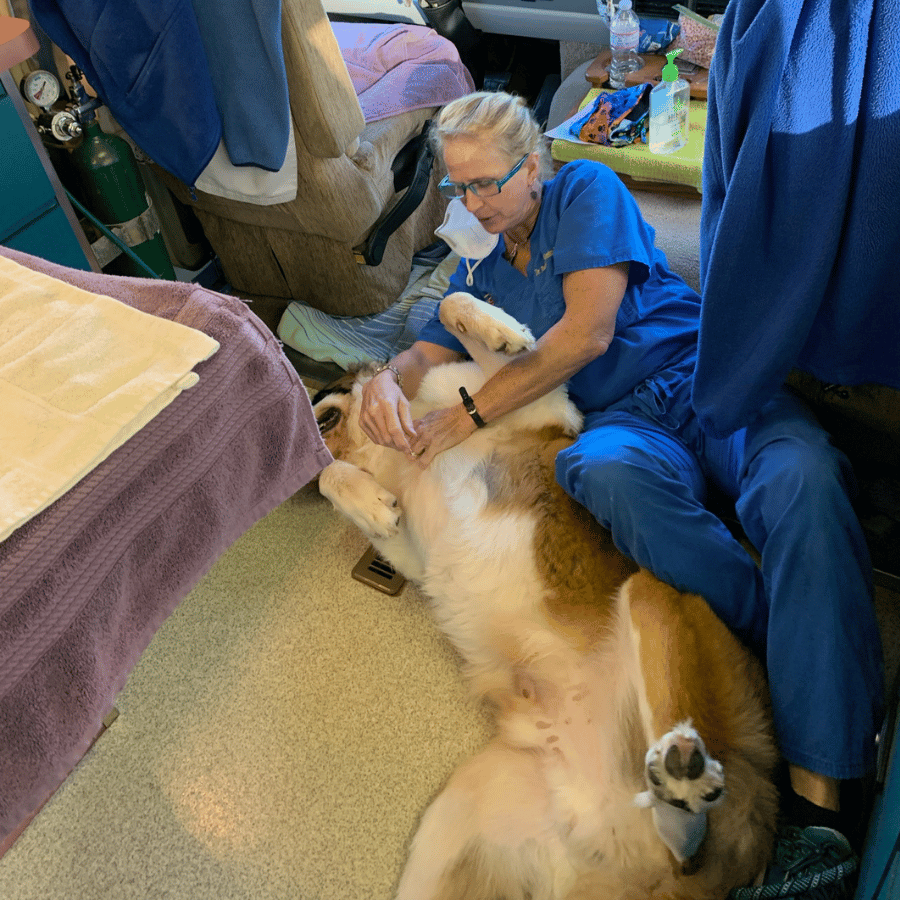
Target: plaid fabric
617	118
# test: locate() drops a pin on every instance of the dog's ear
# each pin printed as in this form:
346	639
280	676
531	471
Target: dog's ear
342	385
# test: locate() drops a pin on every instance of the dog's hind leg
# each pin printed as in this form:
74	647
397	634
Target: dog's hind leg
683	782
704	697
489	834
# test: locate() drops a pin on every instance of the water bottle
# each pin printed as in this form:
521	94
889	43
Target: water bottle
624	34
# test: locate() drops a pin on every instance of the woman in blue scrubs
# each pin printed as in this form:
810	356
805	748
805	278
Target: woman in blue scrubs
576	262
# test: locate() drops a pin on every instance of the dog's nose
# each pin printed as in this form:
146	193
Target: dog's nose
679	767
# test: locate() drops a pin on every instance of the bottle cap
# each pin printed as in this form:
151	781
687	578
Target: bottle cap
670	70
624	4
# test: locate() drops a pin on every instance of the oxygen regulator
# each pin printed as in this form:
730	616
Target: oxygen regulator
42	88
102	170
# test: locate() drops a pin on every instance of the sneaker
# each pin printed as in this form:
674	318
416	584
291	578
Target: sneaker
812	863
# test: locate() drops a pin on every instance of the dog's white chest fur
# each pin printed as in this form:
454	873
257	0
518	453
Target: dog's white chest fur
479	574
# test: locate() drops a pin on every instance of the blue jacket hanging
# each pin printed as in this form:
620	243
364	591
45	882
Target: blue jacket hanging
800	236
145	60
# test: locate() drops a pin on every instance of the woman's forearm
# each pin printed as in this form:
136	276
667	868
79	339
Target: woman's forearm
552	362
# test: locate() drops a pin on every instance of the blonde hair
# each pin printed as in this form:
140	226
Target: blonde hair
499	119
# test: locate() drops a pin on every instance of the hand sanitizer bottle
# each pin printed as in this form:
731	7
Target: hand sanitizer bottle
670	102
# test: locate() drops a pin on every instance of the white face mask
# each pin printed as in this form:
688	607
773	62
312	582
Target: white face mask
465	235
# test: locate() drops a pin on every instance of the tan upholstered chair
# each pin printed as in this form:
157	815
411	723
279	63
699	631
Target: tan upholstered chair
305	249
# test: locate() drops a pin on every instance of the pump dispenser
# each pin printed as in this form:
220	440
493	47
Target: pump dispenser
670	102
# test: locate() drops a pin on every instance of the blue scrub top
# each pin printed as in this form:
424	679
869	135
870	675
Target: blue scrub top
587	220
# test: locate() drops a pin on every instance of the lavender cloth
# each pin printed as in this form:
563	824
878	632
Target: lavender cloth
397	68
86	583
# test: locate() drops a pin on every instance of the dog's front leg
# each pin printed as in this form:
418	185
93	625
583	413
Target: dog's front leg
491	336
358	496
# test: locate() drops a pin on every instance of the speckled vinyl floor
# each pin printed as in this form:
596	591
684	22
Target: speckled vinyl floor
277	741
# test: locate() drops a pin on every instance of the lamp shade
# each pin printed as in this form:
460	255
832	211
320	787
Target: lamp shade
17	42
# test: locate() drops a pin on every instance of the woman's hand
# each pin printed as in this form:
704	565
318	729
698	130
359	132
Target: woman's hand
440	430
384	413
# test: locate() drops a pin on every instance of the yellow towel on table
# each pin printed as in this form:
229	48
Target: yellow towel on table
684	166
79	374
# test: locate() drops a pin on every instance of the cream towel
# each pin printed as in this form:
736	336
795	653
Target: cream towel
79	374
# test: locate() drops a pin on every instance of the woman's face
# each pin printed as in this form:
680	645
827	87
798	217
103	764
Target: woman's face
469	159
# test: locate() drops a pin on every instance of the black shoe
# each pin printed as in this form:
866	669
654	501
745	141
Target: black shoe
812	863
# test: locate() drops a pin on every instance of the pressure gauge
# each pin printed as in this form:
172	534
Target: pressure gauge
41	88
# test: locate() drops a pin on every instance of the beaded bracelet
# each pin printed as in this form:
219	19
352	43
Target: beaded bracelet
387	367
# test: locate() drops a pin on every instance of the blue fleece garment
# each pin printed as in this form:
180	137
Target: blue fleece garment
642	464
799	227
246	64
146	62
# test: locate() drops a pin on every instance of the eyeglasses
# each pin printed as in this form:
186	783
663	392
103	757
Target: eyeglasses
484	187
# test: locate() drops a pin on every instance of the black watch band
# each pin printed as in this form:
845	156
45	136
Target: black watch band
471	409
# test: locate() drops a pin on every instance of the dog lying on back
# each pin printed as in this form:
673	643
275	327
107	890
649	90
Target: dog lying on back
633	756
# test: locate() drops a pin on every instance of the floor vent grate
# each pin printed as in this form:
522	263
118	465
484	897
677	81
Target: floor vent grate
377	572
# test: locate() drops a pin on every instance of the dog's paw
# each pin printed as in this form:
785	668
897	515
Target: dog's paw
681	773
358	496
464	314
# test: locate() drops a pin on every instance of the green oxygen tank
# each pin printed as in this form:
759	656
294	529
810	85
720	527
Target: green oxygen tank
112	189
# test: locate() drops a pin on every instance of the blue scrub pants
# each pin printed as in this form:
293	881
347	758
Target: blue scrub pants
641	467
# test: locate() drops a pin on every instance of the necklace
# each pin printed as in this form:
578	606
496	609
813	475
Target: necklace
528	225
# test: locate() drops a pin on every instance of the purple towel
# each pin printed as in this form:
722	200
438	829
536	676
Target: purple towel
397	68
86	583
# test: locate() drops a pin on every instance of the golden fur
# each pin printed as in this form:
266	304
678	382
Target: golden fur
595	670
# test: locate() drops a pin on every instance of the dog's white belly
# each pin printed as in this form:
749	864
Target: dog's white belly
579	735
488	595
607	838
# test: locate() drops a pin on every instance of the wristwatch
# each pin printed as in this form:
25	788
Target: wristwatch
471	409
